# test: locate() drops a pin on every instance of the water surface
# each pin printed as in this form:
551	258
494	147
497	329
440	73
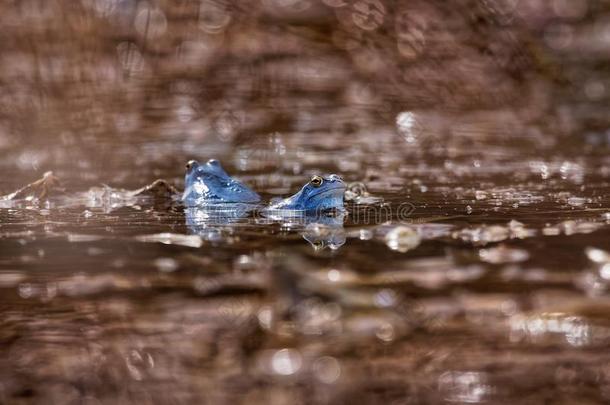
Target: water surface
473	264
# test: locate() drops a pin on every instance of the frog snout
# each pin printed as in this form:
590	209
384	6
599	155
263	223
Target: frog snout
335	178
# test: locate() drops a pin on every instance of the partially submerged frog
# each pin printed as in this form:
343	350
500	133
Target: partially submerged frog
208	184
321	193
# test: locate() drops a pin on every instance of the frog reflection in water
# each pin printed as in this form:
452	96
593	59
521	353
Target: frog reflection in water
324	231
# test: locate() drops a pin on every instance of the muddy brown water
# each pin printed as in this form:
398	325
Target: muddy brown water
473	265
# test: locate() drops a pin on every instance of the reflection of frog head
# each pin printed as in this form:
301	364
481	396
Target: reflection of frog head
208	184
323	231
321	193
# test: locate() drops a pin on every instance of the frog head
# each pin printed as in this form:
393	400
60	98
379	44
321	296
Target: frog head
321	193
209	183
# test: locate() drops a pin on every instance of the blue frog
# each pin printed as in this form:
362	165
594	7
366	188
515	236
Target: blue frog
209	184
321	193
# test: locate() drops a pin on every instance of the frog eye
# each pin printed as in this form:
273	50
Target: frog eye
190	164
316	181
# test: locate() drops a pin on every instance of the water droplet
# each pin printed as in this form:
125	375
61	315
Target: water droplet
468	209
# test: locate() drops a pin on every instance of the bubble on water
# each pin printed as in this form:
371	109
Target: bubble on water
402	239
356	191
327	369
213	17
150	22
503	254
166	264
386	332
286	362
368	14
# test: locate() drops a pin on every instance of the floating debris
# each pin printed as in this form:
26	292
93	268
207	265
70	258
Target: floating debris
503	254
576	201
172	239
465	386
483	235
